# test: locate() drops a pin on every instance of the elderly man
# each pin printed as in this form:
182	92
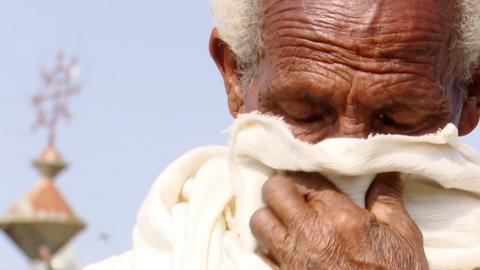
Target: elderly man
349	69
332	69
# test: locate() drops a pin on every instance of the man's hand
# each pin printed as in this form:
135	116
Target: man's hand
309	224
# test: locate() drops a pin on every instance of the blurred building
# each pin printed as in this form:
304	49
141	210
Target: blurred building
42	222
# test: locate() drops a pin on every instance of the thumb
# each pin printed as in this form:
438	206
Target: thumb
384	201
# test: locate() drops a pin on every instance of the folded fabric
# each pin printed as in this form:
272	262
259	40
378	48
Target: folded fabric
196	215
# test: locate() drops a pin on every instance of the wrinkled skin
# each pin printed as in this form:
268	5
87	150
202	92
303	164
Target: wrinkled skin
324	229
348	69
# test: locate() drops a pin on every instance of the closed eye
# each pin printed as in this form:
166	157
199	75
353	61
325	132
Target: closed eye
386	120
316	117
385	123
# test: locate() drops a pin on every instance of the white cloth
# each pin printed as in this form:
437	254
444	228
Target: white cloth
197	213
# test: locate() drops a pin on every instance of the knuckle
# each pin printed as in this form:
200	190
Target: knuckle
259	219
270	186
273	186
348	221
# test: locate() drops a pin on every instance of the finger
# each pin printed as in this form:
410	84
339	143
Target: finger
384	200
310	182
268	230
319	191
283	198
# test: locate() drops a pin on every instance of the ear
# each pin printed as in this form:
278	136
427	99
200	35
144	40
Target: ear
227	64
471	107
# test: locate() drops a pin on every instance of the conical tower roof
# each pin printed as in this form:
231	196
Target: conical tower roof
42	218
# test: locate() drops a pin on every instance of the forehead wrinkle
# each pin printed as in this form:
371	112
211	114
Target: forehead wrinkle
292	39
290	64
407	32
380	44
389	52
382	35
380	30
411	91
318	86
360	15
298	48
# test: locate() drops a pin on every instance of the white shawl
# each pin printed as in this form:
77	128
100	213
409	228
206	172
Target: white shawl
196	215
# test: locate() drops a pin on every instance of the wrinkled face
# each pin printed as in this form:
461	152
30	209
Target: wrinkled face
350	68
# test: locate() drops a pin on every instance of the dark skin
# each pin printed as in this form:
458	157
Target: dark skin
348	69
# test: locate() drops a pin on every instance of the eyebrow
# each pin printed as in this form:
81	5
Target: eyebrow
411	93
309	91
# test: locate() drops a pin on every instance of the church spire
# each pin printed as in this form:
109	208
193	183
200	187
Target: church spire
41	223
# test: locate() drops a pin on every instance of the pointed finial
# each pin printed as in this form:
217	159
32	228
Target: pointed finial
50	162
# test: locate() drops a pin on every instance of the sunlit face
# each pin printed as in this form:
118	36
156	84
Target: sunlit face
349	68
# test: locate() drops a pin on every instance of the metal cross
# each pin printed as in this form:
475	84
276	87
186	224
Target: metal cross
51	101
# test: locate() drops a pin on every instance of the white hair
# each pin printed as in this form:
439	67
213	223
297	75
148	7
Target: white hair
468	37
238	22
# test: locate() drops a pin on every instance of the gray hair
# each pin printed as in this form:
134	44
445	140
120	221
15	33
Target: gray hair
238	22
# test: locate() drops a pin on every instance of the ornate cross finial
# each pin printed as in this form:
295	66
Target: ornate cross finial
51	101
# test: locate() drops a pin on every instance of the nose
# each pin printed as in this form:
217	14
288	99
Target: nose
351	127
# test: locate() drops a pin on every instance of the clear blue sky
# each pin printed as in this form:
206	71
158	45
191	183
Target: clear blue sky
150	93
